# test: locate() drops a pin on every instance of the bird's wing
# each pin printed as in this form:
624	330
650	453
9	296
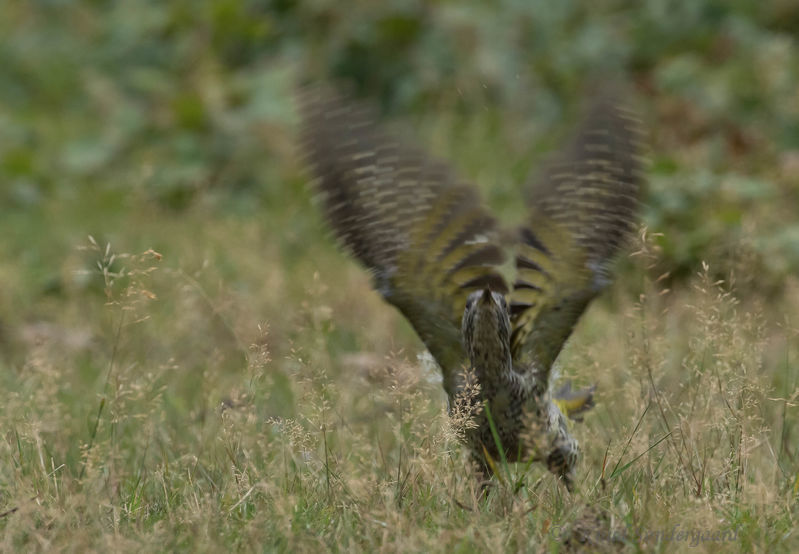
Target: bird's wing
423	234
582	210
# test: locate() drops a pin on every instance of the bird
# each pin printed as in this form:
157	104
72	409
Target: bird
438	255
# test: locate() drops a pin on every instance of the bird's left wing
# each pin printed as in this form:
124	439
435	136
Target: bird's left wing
424	235
583	208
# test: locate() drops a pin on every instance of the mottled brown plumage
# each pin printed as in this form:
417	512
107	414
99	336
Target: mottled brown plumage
435	251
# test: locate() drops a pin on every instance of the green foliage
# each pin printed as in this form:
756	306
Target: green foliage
173	99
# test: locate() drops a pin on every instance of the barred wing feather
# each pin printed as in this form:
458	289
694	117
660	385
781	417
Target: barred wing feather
582	210
424	235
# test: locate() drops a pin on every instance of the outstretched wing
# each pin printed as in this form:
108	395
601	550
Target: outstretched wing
424	235
582	210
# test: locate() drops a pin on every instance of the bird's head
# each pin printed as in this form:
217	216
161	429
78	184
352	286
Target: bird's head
486	328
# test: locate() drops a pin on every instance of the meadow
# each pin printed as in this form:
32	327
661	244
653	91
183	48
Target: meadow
188	362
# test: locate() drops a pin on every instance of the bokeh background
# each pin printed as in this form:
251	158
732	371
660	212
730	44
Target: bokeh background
171	127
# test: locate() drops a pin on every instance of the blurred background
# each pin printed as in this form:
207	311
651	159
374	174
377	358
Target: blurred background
171	126
163	109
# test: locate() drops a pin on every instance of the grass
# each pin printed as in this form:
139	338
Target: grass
151	406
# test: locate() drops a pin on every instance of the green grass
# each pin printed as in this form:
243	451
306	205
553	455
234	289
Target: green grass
209	373
161	414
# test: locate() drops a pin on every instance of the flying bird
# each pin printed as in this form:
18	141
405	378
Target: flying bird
437	254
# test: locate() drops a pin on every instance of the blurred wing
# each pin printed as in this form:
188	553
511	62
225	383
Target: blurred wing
582	210
424	235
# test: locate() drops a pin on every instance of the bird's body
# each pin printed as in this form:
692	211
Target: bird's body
516	396
435	253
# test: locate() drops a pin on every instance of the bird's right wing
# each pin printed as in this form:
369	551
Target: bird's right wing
424	235
582	210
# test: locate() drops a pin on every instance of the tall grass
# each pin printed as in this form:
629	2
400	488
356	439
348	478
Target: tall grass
138	420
